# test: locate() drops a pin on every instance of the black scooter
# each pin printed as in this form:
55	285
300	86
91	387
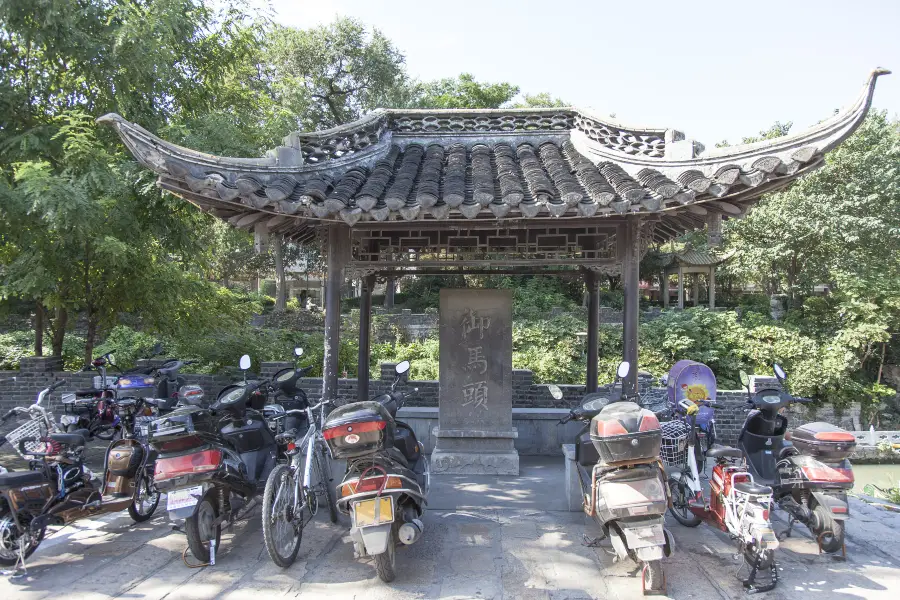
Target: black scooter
807	468
213	462
385	486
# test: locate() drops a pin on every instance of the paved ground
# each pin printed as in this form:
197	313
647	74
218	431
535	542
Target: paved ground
485	537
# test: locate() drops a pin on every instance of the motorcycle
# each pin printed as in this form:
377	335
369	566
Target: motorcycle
622	479
807	468
93	410
59	489
385	486
737	504
213	461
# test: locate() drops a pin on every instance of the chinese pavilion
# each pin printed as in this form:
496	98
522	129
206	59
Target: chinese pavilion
554	190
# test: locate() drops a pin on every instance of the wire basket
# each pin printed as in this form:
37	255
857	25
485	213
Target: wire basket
674	448
35	428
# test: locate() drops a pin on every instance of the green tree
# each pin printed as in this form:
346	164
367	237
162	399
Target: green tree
80	227
462	92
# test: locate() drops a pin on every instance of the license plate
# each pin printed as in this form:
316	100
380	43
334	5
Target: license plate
377	511
184	498
642	537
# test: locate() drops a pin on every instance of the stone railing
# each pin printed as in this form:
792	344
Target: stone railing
37	373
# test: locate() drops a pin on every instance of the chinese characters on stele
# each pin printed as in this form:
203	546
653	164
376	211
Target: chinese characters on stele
475	393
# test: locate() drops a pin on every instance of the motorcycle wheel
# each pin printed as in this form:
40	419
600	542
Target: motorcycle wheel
145	501
282	530
200	529
324	471
386	562
679	509
831	532
653	579
9	540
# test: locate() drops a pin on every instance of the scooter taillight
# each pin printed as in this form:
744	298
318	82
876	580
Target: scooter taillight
353	428
828	474
198	462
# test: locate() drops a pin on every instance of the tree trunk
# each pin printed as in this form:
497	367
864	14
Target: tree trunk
280	279
39	329
90	338
59	330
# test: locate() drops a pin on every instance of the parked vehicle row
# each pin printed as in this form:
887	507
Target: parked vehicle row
263	442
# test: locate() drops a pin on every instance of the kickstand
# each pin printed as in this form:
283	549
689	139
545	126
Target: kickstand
19	570
590	542
842	557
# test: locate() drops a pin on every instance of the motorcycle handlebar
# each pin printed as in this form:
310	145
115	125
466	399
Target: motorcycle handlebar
7	416
57	384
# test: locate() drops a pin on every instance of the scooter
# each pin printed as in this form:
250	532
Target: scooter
622	479
385	486
737	504
213	462
807	468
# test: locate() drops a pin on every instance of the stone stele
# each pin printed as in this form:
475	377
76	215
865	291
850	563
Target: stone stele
475	433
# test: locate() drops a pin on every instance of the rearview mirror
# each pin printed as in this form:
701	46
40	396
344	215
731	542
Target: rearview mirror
555	392
664	379
779	372
745	379
624	368
157	349
402	367
298	352
111	359
245	362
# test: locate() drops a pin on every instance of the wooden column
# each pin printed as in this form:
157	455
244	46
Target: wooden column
365	329
390	287
695	289
631	316
680	287
337	250
712	287
593	330
664	289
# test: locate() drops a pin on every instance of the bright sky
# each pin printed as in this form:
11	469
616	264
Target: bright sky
715	70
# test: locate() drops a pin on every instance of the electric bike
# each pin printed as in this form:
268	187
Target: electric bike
736	505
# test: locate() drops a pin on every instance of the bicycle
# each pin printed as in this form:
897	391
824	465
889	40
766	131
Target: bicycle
289	504
40	423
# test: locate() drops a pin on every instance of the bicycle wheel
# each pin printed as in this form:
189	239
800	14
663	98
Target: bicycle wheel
323	470
145	500
680	495
282	530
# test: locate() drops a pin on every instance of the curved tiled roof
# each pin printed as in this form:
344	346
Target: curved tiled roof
424	165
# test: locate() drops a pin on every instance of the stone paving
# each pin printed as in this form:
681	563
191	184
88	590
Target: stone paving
485	537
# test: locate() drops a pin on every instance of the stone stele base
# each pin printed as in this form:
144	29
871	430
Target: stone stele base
475	452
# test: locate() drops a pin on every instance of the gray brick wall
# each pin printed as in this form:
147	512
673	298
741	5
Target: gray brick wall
37	373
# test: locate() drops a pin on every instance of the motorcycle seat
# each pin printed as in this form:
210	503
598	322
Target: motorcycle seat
74	439
752	488
21	478
724	452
